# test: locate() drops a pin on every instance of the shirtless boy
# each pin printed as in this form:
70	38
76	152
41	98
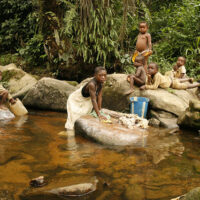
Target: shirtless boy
158	80
143	44
4	94
139	78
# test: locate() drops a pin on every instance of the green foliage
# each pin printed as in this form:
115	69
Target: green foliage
33	52
99	32
8	58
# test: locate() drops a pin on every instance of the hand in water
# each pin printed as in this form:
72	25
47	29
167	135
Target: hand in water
102	118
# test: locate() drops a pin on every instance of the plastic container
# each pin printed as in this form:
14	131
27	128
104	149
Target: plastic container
18	108
139	106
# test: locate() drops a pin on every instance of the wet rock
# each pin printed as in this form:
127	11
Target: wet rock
5	114
49	94
167	120
191	117
193	194
18	81
75	190
109	134
60	187
154	122
38	182
6	195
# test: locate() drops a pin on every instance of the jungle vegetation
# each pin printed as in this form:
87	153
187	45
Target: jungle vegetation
73	36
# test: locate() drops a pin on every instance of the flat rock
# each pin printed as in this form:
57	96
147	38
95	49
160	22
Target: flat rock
109	134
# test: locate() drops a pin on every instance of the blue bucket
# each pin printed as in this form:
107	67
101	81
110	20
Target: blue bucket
139	106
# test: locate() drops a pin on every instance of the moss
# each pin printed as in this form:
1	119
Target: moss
8	74
73	83
193	194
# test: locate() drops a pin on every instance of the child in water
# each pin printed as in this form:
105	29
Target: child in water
143	44
5	95
158	80
88	97
139	78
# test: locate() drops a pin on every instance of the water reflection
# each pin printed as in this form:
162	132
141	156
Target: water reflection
164	166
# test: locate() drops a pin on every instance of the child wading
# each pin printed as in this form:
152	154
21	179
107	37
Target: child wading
158	80
139	78
5	95
143	44
88	97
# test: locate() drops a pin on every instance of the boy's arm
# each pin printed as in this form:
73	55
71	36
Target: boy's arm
99	99
149	41
92	92
156	83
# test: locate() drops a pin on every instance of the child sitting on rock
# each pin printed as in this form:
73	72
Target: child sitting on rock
180	71
158	80
139	78
5	95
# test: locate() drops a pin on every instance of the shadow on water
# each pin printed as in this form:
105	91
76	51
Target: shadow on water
35	145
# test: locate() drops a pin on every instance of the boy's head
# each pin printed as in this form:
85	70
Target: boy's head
100	74
143	27
181	61
139	61
152	69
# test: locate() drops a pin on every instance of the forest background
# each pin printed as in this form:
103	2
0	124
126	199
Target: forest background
67	39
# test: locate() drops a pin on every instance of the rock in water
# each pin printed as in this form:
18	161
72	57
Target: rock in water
75	190
191	117
6	114
110	134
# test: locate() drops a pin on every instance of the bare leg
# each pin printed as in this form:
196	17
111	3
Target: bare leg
146	64
182	80
194	85
133	80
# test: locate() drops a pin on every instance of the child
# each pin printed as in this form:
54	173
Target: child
4	94
143	44
158	80
88	97
181	71
139	78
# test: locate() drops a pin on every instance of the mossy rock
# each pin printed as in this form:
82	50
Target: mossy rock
194	194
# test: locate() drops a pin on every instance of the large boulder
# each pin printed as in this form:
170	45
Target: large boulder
17	81
109	134
191	117
49	94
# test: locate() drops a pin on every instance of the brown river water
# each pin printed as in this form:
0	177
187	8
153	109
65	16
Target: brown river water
168	165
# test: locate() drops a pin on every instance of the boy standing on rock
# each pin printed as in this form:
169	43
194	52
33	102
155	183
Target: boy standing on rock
143	44
5	95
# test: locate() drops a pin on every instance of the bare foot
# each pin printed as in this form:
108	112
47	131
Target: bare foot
129	92
191	80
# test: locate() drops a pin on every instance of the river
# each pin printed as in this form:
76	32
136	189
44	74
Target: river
168	165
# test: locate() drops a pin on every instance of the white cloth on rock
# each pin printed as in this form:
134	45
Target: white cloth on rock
77	106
